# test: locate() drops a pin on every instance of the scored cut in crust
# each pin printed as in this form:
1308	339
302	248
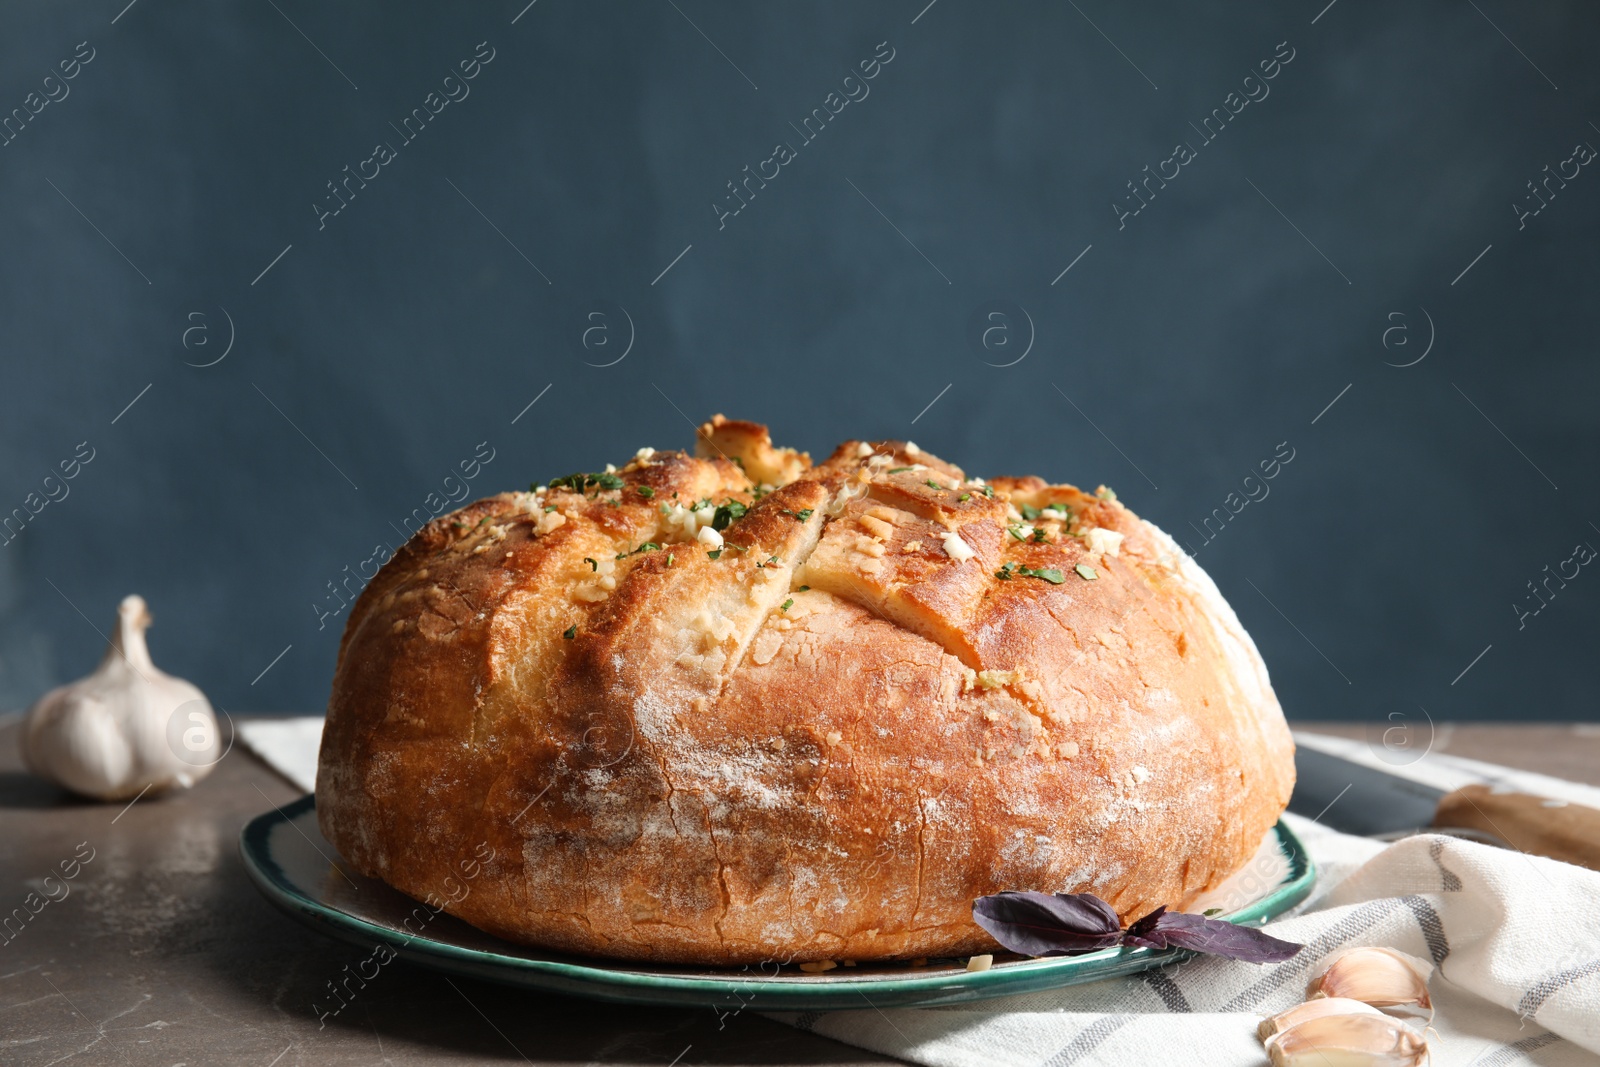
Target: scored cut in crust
887	694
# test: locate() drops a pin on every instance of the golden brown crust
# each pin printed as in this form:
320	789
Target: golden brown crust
750	446
889	691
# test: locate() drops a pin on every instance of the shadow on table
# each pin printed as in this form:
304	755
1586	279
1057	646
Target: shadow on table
20	790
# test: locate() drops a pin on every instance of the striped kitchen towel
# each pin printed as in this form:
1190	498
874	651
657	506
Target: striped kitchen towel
1515	939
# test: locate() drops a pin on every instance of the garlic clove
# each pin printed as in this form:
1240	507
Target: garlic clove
1312	1009
126	728
1378	976
1348	1040
91	748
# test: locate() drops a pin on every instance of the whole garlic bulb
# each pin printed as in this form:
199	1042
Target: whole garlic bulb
125	728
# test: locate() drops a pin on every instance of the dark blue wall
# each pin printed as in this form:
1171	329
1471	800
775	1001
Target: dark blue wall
1193	340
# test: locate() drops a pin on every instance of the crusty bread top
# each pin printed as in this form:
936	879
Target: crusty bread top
736	706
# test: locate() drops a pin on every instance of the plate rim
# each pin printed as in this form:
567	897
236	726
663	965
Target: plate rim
740	987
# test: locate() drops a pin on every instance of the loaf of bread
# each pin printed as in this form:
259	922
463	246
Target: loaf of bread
734	707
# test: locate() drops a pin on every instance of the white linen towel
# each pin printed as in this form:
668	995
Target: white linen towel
1515	939
288	746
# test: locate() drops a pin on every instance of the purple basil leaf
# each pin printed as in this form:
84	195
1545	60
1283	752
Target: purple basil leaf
1039	924
1142	934
1217	937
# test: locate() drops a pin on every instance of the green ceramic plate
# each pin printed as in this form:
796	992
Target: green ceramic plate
298	870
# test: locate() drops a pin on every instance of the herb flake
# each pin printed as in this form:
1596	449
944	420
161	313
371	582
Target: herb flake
582	483
1086	572
1049	574
1017	570
727	514
570	632
787	604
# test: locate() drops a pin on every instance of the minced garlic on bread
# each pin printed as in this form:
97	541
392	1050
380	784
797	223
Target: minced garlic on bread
736	707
